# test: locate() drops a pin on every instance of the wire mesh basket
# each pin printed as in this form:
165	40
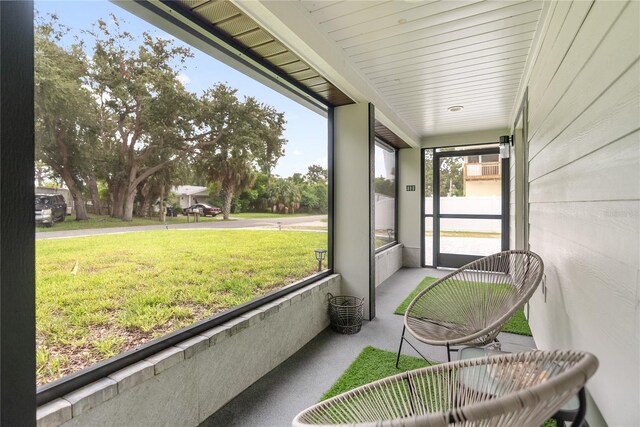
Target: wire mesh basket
345	313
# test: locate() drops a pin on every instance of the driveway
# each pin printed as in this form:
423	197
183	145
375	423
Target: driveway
297	223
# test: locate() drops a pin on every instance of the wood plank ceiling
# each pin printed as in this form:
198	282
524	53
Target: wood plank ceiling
225	17
424	57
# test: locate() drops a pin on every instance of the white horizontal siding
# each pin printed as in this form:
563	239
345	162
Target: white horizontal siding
595	59
606	174
584	178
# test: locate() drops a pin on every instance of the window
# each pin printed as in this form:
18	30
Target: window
161	141
385	194
490	158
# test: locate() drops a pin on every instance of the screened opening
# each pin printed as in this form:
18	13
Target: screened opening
385	194
464	217
189	188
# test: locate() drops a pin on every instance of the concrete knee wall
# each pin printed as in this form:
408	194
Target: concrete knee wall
185	384
388	262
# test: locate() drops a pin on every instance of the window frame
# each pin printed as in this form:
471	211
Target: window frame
523	114
235	53
17	227
386	146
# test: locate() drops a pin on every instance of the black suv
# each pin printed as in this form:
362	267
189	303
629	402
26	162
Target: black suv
50	208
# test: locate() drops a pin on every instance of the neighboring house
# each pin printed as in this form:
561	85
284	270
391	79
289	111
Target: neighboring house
190	194
481	175
65	193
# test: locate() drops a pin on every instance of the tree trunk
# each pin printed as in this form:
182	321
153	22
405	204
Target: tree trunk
162	208
128	206
145	207
146	199
119	197
78	202
62	168
76	194
131	189
228	198
95	195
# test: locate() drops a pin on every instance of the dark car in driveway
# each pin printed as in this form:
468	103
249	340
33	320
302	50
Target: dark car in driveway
205	210
50	208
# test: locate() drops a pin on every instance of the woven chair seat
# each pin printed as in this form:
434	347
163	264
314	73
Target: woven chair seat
518	389
445	331
470	305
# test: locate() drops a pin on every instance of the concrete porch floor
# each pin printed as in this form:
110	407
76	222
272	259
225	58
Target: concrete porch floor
300	381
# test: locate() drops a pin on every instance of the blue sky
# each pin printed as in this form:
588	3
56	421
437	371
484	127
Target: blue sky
306	130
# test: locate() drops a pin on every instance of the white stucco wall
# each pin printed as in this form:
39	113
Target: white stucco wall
409	206
353	246
388	262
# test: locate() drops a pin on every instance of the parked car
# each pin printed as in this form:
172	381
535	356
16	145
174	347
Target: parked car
50	208
205	209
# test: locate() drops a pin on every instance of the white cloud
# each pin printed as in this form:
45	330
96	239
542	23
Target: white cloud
297	152
184	79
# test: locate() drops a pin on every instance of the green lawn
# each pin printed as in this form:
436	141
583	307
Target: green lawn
100	295
516	325
265	215
105	221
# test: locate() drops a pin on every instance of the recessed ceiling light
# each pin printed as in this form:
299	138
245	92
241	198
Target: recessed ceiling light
402	21
455	108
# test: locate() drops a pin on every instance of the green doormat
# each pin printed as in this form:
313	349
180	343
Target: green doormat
374	364
516	325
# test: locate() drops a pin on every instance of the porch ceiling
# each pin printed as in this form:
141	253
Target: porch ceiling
423	57
411	59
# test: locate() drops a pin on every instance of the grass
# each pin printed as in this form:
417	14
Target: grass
105	221
516	325
266	215
373	364
100	295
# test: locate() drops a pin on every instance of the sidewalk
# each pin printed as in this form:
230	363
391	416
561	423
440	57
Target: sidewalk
295	222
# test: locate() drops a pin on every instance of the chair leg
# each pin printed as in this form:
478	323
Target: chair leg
400	348
448	353
582	409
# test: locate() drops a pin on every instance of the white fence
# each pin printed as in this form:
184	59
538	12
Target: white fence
490	205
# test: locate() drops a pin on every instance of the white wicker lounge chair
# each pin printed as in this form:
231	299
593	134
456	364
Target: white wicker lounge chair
517	389
470	306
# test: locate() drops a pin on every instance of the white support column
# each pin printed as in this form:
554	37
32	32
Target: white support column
409	209
354	248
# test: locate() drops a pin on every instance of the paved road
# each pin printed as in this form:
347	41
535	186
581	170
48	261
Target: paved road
239	223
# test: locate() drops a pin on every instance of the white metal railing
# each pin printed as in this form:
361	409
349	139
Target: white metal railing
486	170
